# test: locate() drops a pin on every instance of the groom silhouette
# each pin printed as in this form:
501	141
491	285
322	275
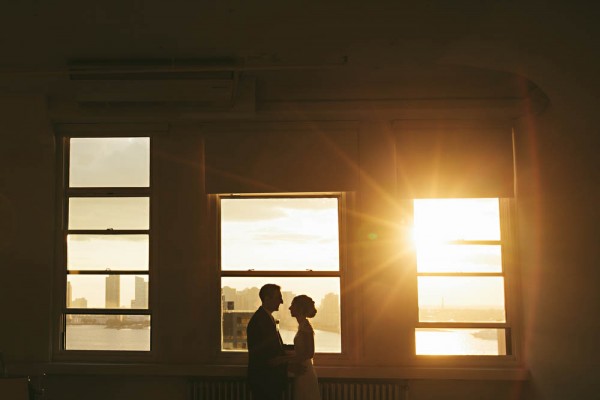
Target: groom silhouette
267	363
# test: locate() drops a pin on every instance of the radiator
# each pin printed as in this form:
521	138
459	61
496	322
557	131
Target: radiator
331	389
363	390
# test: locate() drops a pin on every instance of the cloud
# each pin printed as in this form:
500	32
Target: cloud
286	237
249	210
253	209
110	161
108	238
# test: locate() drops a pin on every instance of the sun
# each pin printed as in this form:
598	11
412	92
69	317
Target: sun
442	221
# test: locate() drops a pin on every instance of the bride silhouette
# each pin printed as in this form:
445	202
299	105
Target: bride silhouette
306	386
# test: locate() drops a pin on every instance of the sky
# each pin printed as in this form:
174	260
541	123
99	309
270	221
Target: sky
280	234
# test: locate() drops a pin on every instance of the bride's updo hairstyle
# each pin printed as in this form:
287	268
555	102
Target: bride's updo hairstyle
305	305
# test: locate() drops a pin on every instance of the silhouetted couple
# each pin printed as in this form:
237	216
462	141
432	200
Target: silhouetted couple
269	360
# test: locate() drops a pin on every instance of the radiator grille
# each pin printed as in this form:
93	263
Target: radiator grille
356	390
331	389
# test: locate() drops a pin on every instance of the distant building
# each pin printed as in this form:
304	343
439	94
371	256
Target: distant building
286	321
141	293
69	294
80	302
113	291
234	329
246	299
328	314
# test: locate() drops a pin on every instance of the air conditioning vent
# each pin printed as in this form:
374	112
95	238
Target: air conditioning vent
154	82
141	91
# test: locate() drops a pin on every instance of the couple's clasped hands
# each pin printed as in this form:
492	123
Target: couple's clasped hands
293	366
296	369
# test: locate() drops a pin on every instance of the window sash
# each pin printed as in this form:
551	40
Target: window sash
103	192
504	243
263	273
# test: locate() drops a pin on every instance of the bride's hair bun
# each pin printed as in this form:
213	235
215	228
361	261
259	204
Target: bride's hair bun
306	305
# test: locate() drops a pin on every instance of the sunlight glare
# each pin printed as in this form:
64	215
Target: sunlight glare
438	221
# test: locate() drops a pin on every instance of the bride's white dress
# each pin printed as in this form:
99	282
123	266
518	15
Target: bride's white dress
306	386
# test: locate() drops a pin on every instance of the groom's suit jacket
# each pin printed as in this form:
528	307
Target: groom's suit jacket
264	343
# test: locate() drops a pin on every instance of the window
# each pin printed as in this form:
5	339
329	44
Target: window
292	241
107	244
461	259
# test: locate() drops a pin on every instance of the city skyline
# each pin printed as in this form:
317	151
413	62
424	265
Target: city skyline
113	294
328	307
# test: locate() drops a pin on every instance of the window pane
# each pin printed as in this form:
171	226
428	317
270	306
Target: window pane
107	252
459	258
240	301
109	213
456	219
461	299
460	341
107	332
109	162
107	291
280	234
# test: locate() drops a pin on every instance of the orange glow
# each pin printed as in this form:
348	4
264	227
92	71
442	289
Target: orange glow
442	220
455	237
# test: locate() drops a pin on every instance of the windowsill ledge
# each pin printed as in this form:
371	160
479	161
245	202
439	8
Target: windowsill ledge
191	370
432	373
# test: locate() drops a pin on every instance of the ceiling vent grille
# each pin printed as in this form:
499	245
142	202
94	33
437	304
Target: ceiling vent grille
156	82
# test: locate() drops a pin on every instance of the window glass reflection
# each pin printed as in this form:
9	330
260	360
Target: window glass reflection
459	258
109	213
107	252
438	220
107	332
109	162
461	299
107	291
491	342
295	234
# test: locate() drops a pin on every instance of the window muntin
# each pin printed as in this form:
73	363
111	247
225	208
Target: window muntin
461	278
292	241
107	245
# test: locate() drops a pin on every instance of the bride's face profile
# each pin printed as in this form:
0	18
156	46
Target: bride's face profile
294	312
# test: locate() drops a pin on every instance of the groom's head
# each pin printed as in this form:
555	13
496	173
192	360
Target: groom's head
270	296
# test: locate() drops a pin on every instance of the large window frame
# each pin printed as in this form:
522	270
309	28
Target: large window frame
109	192
324	358
348	273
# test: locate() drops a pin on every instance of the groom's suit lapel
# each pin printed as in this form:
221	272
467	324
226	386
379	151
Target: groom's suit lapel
271	321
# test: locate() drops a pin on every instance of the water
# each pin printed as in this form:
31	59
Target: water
96	337
456	342
325	342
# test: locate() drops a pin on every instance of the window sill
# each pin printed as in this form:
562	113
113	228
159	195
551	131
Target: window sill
191	370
